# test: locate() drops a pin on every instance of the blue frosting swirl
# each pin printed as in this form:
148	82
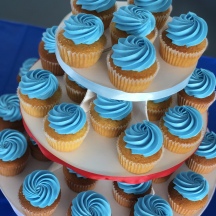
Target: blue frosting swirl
143	138
13	145
49	39
183	121
207	148
90	203
26	65
191	185
187	30
152	205
161	99
71	79
201	83
73	172
135	188
33	142
134	53
41	188
154	5
134	20
39	83
83	28
97	5
112	109
66	118
10	107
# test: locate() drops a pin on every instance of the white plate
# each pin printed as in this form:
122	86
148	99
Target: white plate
10	187
97	154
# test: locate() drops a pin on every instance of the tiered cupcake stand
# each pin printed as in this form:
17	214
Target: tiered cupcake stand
97	156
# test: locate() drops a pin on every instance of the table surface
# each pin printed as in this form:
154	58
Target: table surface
19	42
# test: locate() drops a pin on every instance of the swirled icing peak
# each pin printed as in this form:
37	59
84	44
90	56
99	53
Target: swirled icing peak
41	188
96	5
13	145
73	172
143	138
71	79
39	83
183	121
90	203
187	30
134	53
162	99
112	109
201	83
10	107
135	188
207	148
134	20
152	205
66	118
26	65
49	39
191	185
83	28
154	5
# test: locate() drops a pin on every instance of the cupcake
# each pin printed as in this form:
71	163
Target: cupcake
151	205
26	66
89	203
110	117
139	148
157	108
161	179
35	151
200	90
184	41
188	193
75	91
77	182
14	152
182	129
82	41
10	115
132	20
204	159
132	64
40	193
126	194
38	92
103	9
161	9
46	51
65	127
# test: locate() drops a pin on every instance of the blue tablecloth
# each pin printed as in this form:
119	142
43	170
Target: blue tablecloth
19	42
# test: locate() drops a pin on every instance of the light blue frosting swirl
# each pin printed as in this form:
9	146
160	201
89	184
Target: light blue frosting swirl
161	99
152	205
97	5
49	39
39	83
26	65
73	172
71	79
112	109
90	203
134	53
66	118
33	142
187	30
183	121
13	145
134	20
143	138
83	28
10	107
191	185
201	83
135	188
41	188
207	148
154	5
